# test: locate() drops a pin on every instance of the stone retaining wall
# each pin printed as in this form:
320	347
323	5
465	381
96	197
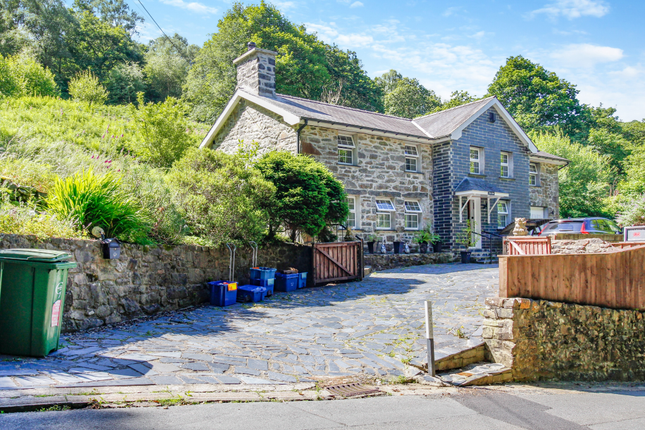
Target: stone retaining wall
392	261
559	341
146	280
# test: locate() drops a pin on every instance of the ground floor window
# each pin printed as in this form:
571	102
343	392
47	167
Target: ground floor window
538	212
352	218
412	214
384	221
503	213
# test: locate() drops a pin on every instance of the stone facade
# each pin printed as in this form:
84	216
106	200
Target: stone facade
378	172
146	280
542	340
251	123
453	164
546	193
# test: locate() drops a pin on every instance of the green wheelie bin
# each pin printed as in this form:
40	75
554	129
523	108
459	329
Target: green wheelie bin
34	282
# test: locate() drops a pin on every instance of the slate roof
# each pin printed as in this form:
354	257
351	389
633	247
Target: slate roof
543	154
320	111
443	123
476	184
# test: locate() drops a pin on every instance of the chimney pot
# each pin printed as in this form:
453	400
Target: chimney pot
251	46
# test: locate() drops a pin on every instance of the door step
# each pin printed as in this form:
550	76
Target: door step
478	374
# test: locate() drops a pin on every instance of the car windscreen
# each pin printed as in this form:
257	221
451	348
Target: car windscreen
613	226
567	226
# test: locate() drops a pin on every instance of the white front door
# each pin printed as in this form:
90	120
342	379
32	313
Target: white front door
475	217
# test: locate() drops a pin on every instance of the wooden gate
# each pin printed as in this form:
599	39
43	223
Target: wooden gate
337	261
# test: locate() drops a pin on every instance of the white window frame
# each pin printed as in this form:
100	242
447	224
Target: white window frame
508	164
384	207
346	147
355	211
479	160
507	214
411	154
543	209
535	174
412	209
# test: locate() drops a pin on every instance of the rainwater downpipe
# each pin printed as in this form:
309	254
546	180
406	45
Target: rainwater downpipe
298	136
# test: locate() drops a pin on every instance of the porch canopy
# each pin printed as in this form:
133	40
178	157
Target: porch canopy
470	188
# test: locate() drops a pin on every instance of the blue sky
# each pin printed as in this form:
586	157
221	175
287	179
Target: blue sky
596	44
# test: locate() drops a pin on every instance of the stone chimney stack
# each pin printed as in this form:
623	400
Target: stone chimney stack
256	71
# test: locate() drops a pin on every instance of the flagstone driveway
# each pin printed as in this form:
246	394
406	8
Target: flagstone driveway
371	327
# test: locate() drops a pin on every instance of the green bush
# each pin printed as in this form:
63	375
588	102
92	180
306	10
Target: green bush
308	197
98	200
220	197
632	212
85	87
21	75
162	134
124	81
26	220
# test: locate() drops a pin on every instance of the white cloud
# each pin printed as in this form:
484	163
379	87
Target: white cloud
451	11
284	5
629	72
586	55
193	6
330	35
356	4
572	9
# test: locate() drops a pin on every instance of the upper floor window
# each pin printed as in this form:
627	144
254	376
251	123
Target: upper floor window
534	174
476	160
352	217
411	158
346	150
412	213
506	165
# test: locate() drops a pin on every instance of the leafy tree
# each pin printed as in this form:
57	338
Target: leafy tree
9	85
539	99
162	134
583	183
116	13
221	197
124	81
167	65
457	98
305	66
85	87
33	79
307	196
406	97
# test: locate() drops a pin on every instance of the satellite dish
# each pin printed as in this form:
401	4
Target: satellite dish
98	232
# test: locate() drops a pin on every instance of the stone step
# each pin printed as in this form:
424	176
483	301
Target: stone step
478	374
367	270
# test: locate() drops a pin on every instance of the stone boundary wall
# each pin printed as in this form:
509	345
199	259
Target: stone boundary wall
542	340
148	279
392	261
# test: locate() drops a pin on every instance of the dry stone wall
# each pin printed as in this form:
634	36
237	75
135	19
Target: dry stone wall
544	340
379	172
392	261
146	280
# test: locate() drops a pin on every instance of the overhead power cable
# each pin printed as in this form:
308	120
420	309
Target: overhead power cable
179	51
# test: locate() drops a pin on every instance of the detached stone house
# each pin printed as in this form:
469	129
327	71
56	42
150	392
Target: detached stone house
470	162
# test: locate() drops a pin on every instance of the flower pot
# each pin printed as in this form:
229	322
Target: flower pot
436	247
465	257
423	248
370	247
398	247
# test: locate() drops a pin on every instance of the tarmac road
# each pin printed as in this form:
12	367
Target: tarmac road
571	406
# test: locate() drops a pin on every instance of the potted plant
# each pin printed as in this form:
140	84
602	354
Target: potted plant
349	235
371	239
423	238
398	247
466	240
435	240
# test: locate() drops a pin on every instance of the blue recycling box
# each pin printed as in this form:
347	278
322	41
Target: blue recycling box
223	293
250	293
286	283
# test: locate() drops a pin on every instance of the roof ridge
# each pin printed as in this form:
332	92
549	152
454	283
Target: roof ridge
452	108
344	107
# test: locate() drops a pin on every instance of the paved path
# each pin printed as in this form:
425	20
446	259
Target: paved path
371	328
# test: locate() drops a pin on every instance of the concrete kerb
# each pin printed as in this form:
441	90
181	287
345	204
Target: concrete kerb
50	399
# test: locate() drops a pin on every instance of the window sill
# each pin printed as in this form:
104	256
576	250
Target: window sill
535	186
506	178
346	164
476	175
415	172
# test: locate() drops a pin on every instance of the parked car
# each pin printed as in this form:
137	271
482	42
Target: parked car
581	226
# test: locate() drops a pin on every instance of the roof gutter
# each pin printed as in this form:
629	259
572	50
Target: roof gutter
298	136
376	131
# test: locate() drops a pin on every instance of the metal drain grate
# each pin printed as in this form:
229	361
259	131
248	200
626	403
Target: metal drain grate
351	390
